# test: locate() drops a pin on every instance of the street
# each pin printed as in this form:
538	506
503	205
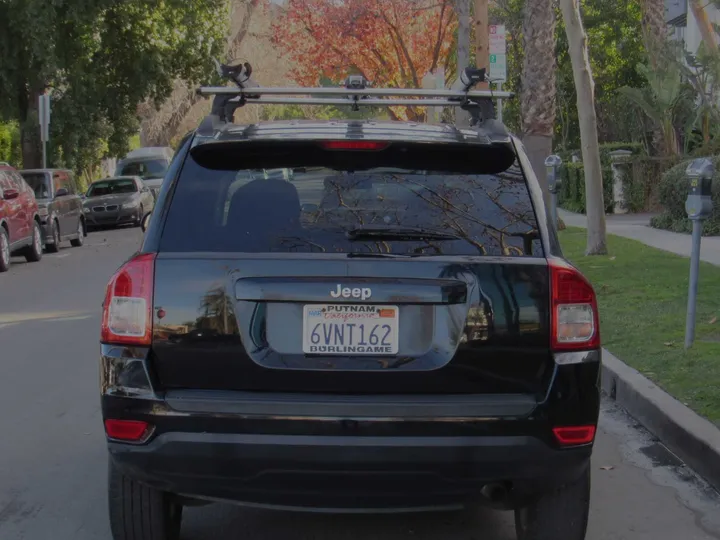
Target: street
53	457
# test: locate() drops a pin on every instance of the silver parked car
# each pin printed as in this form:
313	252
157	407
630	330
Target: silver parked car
117	201
149	163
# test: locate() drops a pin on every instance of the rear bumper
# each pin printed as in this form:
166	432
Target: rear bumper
347	473
347	453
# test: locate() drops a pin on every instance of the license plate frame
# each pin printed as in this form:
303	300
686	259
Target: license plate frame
362	329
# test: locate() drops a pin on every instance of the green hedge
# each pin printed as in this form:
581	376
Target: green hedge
673	192
642	187
572	192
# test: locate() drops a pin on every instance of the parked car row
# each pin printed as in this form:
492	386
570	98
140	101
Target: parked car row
41	208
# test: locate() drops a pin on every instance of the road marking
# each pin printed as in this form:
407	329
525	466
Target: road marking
62	255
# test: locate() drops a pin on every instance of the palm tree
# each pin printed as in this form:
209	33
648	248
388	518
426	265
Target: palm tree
654	36
660	100
538	85
654	29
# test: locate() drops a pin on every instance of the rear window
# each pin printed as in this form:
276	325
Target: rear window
150	168
112	187
39	182
299	209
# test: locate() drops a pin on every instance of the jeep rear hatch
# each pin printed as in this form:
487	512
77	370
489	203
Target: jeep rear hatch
355	267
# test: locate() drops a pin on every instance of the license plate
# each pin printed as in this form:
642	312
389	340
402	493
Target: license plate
350	329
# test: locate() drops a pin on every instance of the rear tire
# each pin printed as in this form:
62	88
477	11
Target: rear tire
139	512
55	235
560	514
80	240
139	220
4	250
34	252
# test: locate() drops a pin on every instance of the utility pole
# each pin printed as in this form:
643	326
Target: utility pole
44	118
462	9
482	47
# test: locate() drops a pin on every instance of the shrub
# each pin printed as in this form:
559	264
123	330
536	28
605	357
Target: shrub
10	143
641	188
673	192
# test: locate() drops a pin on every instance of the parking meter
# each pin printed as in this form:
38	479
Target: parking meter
699	200
552	167
698	206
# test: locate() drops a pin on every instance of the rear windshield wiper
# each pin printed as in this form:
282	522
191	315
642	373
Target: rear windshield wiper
383	232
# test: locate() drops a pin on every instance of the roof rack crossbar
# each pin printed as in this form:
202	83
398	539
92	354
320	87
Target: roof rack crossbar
345	92
352	103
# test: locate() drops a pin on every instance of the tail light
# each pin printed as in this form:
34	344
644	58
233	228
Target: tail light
355	145
126	430
574	435
127	310
575	324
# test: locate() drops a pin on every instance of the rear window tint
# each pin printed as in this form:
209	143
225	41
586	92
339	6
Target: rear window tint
311	209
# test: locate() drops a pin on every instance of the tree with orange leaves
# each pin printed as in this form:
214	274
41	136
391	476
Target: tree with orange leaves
390	42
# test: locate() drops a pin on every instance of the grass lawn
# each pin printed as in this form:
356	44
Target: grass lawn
642	294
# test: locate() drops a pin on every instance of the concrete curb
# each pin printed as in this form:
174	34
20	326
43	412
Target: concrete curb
692	438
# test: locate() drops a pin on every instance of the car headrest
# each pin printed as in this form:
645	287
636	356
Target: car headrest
265	206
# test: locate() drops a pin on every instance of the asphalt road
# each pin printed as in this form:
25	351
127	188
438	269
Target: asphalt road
53	459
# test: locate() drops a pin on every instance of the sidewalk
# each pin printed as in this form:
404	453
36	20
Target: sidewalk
692	438
637	227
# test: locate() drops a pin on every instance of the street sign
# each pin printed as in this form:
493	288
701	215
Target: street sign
44	116
498	50
497	39
498	67
44	120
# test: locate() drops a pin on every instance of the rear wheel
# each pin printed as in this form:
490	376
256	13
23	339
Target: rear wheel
139	512
55	235
560	514
4	250
139	219
80	240
33	253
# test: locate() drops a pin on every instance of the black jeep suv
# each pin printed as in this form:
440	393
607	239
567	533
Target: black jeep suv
385	323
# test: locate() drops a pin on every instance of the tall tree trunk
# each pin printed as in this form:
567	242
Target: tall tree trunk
654	29
706	28
29	129
462	8
537	105
654	36
585	90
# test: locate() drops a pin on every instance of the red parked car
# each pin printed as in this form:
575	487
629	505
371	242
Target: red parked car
19	219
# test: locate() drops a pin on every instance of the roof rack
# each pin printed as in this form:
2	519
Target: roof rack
356	92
